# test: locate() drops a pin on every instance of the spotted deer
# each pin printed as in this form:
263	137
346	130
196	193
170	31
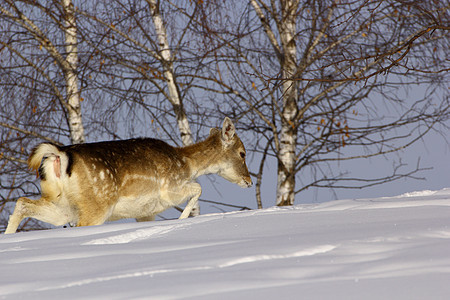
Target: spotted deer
88	184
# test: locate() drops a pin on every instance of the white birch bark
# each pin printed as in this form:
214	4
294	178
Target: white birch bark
68	64
287	56
174	94
167	61
70	73
286	156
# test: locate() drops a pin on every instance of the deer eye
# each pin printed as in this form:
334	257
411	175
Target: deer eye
242	154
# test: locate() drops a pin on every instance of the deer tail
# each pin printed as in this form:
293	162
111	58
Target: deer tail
38	160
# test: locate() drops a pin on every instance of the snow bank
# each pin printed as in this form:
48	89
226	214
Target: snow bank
383	248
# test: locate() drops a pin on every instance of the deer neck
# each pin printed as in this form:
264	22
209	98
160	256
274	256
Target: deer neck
203	157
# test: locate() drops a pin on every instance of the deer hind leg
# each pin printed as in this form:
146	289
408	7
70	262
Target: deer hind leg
43	210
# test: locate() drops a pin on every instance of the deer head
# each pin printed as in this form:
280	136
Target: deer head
233	167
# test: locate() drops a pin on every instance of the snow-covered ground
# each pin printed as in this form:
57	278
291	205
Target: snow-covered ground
383	248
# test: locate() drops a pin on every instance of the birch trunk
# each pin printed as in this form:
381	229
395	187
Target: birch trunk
68	63
167	62
70	73
174	94
286	53
288	134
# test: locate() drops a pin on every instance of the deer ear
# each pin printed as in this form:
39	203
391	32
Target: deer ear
228	130
213	131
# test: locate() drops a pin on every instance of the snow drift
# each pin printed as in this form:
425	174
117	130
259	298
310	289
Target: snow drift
383	248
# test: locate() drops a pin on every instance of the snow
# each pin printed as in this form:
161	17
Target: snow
382	248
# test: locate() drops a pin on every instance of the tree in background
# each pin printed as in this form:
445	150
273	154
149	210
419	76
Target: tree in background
313	83
28	41
39	85
141	54
324	82
121	57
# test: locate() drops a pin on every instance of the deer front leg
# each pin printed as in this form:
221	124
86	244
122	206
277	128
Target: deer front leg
193	190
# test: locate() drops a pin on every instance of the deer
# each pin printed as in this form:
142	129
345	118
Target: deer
89	184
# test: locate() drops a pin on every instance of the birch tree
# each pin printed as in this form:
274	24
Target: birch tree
70	70
132	37
65	58
174	95
286	53
166	59
39	86
135	60
305	75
